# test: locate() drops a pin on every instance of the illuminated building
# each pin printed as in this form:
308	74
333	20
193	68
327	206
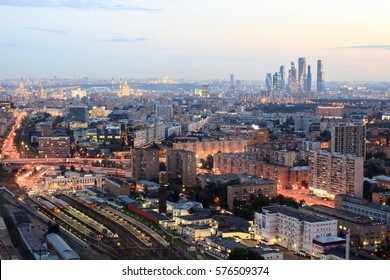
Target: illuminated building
363	230
349	139
292	229
54	147
125	90
78	93
335	173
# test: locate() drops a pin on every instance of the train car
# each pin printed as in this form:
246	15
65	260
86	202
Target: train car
48	205
61	203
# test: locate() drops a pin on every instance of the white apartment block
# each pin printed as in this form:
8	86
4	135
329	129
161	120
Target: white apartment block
292	229
334	173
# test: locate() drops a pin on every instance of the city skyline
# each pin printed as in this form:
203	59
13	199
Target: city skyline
192	39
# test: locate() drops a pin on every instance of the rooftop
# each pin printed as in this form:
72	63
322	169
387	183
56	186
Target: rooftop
118	181
382	178
288	211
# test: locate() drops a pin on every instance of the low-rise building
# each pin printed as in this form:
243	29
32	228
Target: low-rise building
248	191
221	248
73	180
291	228
383	181
117	186
363	230
357	206
381	198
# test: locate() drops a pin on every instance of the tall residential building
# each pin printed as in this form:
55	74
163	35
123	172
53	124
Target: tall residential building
277	82
320	77
54	147
145	164
268	82
182	165
282	72
164	111
334	173
349	139
301	72
308	80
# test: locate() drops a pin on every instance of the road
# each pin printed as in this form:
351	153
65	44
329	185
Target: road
8	149
304	194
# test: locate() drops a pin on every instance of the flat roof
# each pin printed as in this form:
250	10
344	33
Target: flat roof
118	181
288	211
324	240
157	215
227	242
382	178
195	217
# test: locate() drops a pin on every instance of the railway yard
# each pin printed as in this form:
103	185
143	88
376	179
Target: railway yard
95	232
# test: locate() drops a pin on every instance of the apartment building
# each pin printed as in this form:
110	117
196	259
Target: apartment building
334	173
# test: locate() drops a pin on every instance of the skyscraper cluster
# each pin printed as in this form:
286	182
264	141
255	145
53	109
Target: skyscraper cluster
298	80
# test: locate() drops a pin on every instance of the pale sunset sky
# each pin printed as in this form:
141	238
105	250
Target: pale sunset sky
193	39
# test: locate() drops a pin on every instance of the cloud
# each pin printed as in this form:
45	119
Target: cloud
378	47
76	4
56	31
125	40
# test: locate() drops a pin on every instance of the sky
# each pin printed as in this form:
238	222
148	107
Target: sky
193	39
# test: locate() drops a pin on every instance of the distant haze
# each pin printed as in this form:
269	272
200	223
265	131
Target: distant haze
193	39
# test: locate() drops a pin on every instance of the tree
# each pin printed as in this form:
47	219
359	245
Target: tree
72	168
304	183
244	254
208	163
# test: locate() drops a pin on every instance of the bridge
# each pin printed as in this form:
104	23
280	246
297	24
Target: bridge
51	161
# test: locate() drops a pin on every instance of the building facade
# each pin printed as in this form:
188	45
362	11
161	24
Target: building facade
349	139
245	192
291	228
334	173
363	230
181	165
145	164
54	147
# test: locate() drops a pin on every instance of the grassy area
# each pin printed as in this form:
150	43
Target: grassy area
145	221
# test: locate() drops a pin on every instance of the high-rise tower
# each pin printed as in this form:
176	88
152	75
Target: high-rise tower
308	80
301	72
293	76
268	82
282	72
320	77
